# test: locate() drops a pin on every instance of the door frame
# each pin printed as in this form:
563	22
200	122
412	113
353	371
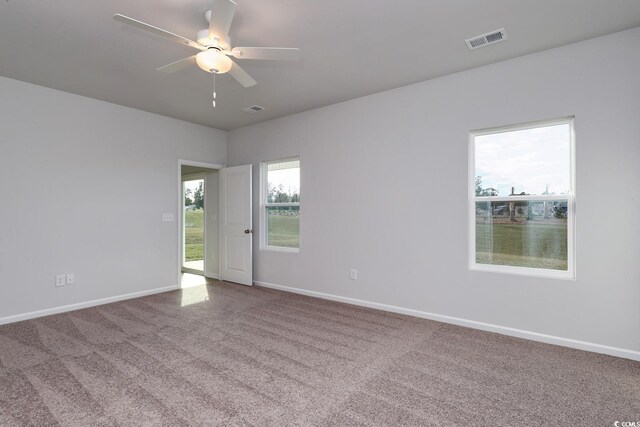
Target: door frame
180	224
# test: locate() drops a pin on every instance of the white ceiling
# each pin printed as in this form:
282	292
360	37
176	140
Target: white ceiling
350	48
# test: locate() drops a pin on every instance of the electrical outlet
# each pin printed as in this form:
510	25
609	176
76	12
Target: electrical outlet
354	274
70	279
60	280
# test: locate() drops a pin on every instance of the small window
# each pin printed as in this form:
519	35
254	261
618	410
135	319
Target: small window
281	205
522	199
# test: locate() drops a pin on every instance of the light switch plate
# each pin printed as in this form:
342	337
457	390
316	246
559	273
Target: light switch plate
167	217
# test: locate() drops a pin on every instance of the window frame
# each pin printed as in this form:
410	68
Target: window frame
570	198
264	205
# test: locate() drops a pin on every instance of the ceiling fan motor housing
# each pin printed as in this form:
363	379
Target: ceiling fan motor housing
202	36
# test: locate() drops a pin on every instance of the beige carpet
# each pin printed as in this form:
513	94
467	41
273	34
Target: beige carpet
230	355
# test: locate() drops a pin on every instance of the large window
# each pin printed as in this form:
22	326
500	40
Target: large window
281	205
521	202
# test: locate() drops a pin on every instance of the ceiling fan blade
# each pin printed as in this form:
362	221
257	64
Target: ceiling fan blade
178	65
241	76
222	13
273	53
158	31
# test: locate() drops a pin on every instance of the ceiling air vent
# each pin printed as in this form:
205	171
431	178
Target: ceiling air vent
253	109
486	39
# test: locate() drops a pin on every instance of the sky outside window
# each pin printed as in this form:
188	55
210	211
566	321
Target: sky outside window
286	174
528	159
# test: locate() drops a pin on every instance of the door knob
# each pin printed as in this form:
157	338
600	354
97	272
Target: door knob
248	231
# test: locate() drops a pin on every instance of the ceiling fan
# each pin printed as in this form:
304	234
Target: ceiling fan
215	46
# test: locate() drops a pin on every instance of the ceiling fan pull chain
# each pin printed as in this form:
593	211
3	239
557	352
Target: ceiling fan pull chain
214	90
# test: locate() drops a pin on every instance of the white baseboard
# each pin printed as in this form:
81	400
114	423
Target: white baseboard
86	304
504	330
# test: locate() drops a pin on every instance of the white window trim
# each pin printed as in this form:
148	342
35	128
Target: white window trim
570	273
264	205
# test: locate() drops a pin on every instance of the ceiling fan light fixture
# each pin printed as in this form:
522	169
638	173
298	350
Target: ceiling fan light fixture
214	61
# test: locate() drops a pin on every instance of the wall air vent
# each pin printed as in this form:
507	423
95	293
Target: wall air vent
486	39
253	109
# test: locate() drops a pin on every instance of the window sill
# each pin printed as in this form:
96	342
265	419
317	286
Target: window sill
524	271
280	249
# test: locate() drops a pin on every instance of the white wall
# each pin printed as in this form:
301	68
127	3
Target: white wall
83	185
384	190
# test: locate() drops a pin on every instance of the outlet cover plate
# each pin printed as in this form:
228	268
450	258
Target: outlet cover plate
60	280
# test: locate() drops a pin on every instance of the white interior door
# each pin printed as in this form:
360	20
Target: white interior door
236	228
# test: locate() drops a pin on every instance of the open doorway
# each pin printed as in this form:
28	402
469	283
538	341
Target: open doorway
199	236
193	224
